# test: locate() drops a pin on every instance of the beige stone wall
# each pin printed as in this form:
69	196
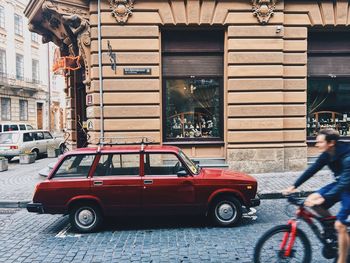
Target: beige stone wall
265	75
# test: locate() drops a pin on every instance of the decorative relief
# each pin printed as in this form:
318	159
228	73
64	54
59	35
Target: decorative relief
263	10
122	9
69	28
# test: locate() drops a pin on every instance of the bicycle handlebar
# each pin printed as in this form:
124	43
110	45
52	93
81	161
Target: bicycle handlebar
296	200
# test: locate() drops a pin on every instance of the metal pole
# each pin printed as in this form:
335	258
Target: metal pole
49	82
100	70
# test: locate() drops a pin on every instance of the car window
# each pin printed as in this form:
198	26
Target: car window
9	138
0	128
22	127
162	164
118	164
47	135
27	137
38	136
6	128
13	127
30	127
75	166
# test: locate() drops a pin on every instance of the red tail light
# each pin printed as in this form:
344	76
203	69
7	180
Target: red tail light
13	147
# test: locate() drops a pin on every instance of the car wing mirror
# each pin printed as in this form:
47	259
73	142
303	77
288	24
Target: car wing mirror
182	173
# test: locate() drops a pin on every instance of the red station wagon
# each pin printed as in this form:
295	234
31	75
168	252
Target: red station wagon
91	183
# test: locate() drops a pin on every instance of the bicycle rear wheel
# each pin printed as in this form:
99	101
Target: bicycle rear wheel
267	249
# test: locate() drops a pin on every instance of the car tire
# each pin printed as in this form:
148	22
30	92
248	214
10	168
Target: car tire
226	211
36	152
85	218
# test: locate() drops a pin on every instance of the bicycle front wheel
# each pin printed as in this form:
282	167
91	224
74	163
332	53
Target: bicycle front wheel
268	248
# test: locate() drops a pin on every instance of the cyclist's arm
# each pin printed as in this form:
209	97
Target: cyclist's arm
318	165
343	183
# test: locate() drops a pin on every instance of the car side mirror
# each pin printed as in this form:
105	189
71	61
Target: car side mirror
182	173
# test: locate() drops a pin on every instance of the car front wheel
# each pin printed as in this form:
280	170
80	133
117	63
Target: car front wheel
86	218
226	211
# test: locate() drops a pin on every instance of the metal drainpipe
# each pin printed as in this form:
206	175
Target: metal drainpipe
100	71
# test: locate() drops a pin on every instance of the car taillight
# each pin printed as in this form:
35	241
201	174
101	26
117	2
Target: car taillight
13	147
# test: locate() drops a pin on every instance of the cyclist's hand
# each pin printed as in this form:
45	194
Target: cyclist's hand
289	190
314	199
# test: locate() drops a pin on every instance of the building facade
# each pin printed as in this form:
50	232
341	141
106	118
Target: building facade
249	82
23	74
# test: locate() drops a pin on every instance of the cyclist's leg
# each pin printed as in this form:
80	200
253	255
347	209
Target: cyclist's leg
343	220
322	210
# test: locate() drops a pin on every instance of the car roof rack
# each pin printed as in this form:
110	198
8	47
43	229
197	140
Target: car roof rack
125	140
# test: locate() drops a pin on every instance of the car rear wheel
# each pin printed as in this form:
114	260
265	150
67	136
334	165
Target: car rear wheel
85	218
226	211
36	153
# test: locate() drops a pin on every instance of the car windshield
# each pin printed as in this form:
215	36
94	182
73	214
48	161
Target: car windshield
194	168
9	138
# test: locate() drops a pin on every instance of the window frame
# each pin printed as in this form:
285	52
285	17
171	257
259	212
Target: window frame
35	71
53	177
8	111
18	23
189	173
23	116
2	17
3	61
116	175
19	66
219	139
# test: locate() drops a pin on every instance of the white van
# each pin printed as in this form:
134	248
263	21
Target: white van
37	141
5	127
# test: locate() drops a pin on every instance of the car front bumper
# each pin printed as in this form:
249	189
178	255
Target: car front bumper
255	202
35	208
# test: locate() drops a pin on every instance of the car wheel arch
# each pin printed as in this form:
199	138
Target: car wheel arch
84	201
222	194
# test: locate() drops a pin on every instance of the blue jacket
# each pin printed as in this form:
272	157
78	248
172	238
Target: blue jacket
339	163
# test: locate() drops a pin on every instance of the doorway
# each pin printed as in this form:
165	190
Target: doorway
39	115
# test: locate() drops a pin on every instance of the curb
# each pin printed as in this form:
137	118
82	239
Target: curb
278	195
13	204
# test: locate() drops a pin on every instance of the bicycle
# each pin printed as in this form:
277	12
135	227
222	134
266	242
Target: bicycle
288	243
64	146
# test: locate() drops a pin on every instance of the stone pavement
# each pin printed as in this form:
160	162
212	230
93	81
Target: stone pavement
18	183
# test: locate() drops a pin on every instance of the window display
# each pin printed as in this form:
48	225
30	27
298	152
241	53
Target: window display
193	108
327	105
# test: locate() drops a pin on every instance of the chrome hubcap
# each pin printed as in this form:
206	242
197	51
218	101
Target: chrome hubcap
86	217
225	212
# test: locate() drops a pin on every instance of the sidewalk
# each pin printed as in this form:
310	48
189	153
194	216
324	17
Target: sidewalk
18	183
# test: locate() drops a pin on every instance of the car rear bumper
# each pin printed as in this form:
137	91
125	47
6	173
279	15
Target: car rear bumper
35	208
255	202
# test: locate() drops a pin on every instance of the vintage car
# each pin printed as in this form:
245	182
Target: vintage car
14	143
92	183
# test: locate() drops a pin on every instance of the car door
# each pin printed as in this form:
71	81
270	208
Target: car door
40	143
50	142
70	180
164	191
117	183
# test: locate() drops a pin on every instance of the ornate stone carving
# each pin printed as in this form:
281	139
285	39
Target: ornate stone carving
263	10
80	29
69	28
122	9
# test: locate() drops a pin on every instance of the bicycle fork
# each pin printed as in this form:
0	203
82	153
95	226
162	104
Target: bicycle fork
289	238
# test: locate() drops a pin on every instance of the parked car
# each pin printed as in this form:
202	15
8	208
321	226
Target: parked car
5	127
37	141
92	183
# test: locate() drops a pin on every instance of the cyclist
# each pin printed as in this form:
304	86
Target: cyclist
336	155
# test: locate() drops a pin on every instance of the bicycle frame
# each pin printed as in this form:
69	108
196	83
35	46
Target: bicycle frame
307	217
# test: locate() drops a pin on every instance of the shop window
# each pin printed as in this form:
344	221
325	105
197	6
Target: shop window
328	105
193	108
193	85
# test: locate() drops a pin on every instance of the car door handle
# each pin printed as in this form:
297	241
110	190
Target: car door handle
97	183
148	181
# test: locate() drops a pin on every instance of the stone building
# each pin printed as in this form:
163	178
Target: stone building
23	60
247	82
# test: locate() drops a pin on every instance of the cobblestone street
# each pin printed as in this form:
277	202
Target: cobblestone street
28	237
